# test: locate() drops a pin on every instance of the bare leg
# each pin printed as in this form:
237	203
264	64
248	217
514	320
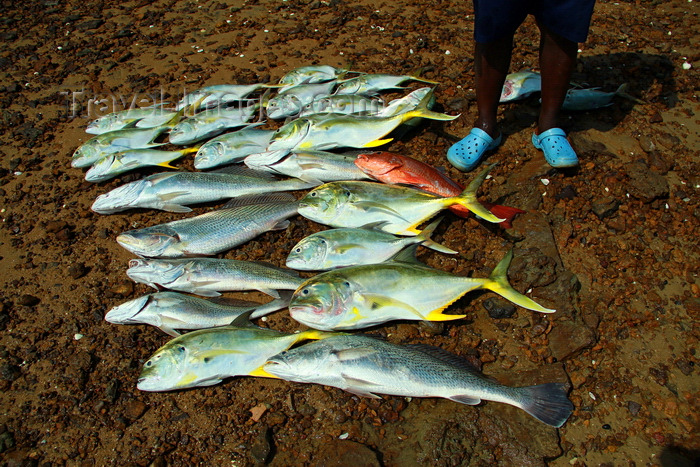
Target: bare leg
492	60
557	61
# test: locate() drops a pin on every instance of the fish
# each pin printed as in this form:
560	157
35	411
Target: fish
312	166
366	366
144	117
232	147
219	95
337	248
116	141
289	101
375	82
520	85
169	311
210	276
174	192
395	209
357	297
311	74
408	102
593	98
396	169
323	132
343	104
114	164
210	123
208	356
240	220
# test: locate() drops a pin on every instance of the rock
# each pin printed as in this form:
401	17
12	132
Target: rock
92	24
134	409
344	452
27	300
499	308
532	268
10	372
56	226
633	408
124	289
645	184
567	192
605	207
77	270
647	143
261	448
7	441
568	337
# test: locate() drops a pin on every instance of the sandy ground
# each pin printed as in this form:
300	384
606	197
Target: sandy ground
612	246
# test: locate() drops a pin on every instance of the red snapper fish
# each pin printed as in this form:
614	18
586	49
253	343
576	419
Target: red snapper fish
396	169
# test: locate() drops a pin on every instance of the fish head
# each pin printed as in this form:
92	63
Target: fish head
167	368
378	163
100	170
322	303
209	155
290	134
309	254
85	155
283	106
324	203
120	198
182	132
154	271
152	241
102	124
129	312
301	364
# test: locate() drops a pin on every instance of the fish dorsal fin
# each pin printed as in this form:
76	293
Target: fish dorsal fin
407	255
444	356
243	170
243	320
266	198
237	302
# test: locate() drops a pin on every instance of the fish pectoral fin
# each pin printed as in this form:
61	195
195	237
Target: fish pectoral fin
172	195
374	206
270	292
377	142
377	302
353	354
340	249
280	225
168	330
463	399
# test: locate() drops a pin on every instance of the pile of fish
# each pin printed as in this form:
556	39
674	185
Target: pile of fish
365	266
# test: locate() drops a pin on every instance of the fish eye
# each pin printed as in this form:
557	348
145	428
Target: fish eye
149	363
305	292
181	348
347	193
298	250
347	284
323	241
312	194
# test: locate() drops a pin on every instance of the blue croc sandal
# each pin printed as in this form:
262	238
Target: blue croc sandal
466	153
556	148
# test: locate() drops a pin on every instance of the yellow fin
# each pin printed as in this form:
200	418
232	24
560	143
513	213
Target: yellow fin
188	379
377	142
166	165
437	315
260	372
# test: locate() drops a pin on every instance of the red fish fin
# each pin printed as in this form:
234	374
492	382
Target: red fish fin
503	212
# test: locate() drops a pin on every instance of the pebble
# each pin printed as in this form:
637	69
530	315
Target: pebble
499	308
644	183
633	407
134	409
77	270
605	207
27	300
568	337
124	289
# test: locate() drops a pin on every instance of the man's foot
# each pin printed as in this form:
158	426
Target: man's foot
557	149
466	153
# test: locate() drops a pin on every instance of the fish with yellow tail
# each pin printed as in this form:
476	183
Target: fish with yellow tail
394	209
357	297
112	165
208	356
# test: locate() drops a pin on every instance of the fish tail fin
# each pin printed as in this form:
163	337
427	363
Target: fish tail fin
190	109
548	403
424	239
422	110
498	282
468	199
508	213
622	92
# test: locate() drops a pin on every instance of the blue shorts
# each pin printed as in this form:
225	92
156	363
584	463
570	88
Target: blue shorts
495	19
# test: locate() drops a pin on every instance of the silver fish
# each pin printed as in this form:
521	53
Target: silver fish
116	141
171	310
408	102
207	356
312	166
210	276
117	163
311	74
337	248
520	85
219	94
232	147
367	367
174	191
290	101
145	117
344	104
593	98
210	123
242	219
373	83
